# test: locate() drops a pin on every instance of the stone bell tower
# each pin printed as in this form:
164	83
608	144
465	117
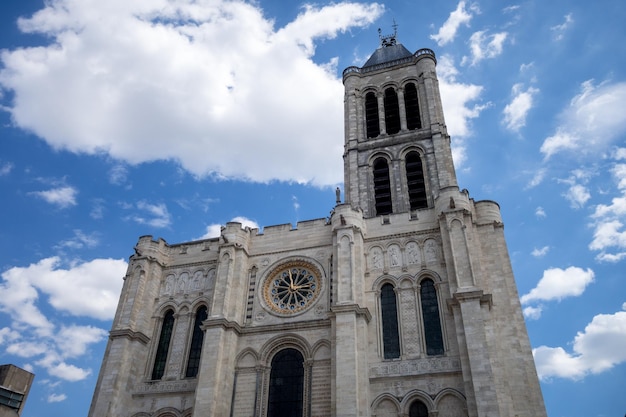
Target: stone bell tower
399	172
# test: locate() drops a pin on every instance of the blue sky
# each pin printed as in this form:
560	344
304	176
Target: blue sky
169	118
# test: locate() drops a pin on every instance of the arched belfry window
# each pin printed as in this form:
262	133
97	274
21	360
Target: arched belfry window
411	105
371	115
430	314
382	187
286	393
415	181
418	409
392	111
164	344
193	363
389	320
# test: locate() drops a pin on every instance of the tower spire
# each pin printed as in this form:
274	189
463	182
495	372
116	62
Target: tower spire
388	40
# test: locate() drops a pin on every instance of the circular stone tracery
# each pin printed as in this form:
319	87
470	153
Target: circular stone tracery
291	288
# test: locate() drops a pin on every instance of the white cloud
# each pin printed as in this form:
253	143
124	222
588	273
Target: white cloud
456	98
88	289
215	230
5	168
608	220
169	80
62	197
483	46
458	17
591	122
600	347
80	240
56	398
540	212
559	30
577	195
540	252
516	111
154	215
558	283
532	313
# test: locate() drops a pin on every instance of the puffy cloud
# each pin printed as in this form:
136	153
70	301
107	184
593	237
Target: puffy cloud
516	111
170	80
609	236
532	313
577	195
62	197
456	98
87	289
540	213
460	16
483	46
557	283
591	122
600	347
215	230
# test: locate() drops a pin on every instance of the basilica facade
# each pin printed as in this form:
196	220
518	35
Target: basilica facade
401	303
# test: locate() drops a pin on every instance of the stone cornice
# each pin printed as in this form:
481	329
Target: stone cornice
129	334
352	308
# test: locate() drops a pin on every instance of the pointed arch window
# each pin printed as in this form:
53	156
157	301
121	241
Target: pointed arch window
415	181
392	111
286	393
430	314
411	105
382	187
418	409
371	115
164	344
389	316
193	363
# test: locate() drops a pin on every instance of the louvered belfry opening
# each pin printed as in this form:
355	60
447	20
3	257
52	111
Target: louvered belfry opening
392	111
415	181
382	187
371	115
411	106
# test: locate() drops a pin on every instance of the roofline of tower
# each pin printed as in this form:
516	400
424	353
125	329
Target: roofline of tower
419	54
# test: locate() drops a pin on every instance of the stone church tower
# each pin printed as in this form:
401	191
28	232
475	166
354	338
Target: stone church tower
401	303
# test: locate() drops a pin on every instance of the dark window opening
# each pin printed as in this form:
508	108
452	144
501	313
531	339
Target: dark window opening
415	181
286	385
163	346
418	409
389	313
193	363
371	115
382	187
432	322
411	105
392	111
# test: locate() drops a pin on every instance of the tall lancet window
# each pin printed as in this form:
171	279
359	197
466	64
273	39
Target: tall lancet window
193	363
389	316
286	396
163	346
411	105
415	181
382	187
430	314
371	115
392	111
